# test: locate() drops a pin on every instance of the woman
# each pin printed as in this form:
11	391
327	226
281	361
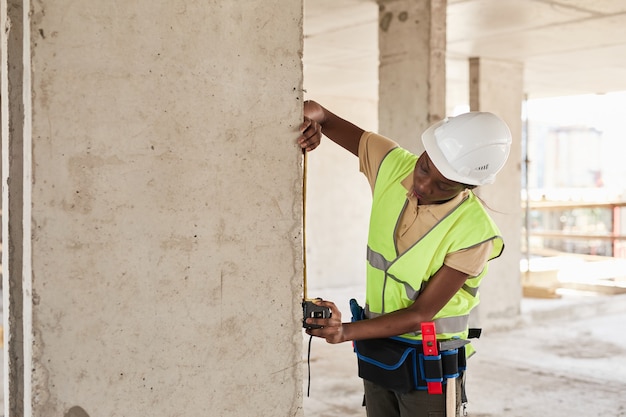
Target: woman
429	243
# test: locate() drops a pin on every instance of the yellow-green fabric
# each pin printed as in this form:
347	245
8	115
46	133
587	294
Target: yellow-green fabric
394	280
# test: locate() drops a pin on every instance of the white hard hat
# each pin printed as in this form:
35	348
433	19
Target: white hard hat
469	148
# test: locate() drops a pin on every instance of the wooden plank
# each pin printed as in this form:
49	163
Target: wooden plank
534	291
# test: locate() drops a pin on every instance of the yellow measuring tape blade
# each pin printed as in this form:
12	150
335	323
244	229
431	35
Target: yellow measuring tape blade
304	170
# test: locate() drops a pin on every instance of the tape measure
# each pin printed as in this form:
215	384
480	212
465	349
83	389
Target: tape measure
304	171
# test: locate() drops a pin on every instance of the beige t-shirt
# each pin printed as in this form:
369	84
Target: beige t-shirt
416	220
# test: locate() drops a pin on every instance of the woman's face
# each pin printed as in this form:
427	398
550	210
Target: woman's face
429	186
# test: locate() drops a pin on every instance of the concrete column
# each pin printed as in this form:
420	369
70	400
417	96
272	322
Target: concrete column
162	261
412	76
497	86
12	204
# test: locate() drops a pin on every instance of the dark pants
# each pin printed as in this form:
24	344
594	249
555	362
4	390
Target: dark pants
380	402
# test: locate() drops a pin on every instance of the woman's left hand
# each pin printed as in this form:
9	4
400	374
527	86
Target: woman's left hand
310	134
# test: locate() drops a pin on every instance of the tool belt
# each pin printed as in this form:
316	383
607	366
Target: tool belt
400	364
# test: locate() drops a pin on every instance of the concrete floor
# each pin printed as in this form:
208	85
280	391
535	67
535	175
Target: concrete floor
567	358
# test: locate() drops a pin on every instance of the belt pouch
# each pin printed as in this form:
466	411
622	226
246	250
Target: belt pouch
389	363
431	369
462	359
450	363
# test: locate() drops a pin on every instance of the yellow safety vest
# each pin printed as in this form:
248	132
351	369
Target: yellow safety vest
394	280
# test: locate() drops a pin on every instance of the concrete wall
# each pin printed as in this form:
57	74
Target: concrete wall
162	208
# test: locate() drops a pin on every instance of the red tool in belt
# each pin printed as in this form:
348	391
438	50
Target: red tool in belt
430	345
429	341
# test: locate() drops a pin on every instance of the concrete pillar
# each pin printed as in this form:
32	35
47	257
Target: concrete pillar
12	204
162	261
497	86
412	76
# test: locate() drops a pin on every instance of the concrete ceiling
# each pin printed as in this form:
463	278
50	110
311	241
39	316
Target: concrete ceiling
567	47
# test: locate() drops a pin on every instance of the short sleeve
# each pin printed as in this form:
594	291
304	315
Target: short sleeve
372	150
471	261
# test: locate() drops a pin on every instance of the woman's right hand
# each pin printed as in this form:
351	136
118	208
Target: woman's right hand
332	328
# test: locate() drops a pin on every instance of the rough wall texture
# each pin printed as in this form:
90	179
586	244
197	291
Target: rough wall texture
12	204
166	208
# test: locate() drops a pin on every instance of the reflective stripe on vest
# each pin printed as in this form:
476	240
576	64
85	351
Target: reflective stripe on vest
378	261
